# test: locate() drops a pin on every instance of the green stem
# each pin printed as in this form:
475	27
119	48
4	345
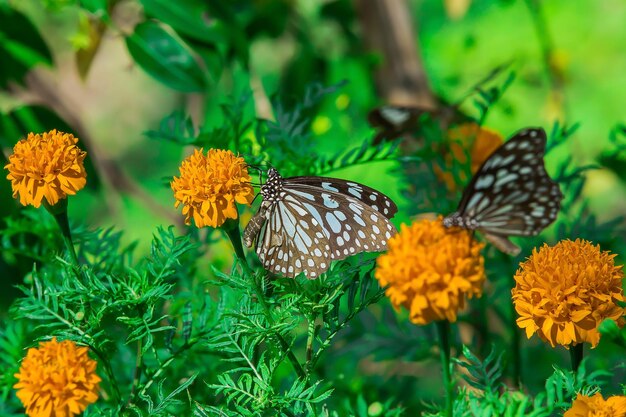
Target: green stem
309	342
104	361
443	329
59	212
576	355
136	373
516	357
231	227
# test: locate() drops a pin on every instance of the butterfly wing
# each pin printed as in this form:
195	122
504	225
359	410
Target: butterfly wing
285	243
313	224
511	194
367	195
352	226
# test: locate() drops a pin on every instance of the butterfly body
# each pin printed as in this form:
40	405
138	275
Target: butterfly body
511	194
304	223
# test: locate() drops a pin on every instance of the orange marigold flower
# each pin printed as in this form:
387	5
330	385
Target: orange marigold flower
564	292
430	270
467	138
596	406
210	185
57	379
47	166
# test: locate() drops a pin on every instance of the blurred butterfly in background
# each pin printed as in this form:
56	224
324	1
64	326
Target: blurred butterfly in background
511	194
306	222
392	122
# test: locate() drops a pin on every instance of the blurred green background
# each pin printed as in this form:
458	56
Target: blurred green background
122	74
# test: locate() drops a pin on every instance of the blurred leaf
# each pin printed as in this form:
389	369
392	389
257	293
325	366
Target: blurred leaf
21	46
92	31
189	17
97	7
166	58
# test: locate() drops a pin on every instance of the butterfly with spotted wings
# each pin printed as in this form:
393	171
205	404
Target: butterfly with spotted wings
306	222
511	194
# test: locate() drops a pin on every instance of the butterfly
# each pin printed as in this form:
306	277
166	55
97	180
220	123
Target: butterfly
511	194
392	122
306	222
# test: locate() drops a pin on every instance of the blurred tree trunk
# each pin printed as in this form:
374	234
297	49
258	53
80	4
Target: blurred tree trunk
387	28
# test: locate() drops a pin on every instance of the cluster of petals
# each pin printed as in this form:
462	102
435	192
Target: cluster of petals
597	406
564	292
46	166
57	379
210	185
431	270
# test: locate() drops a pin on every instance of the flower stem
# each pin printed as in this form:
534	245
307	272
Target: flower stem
576	355
443	329
516	357
59	212
231	227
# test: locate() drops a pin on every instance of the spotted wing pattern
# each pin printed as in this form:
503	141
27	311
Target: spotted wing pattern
511	194
304	223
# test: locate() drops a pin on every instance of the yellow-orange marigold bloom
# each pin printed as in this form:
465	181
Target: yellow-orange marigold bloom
467	138
596	406
564	292
430	270
57	379
47	165
210	185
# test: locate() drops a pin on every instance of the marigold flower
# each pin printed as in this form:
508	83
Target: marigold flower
47	165
57	379
430	270
467	138
596	406
564	292
210	185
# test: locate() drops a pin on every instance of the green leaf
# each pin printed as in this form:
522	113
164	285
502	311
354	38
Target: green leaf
21	46
166	58
189	17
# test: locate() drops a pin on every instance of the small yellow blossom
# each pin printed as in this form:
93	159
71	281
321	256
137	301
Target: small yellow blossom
596	406
564	292
57	379
430	270
47	165
210	185
467	138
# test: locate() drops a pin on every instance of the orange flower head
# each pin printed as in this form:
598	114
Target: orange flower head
596	406
47	165
430	270
467	138
564	292
210	185
57	379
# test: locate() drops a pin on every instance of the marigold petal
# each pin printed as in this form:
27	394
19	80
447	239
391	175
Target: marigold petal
430	270
567	291
47	165
57	379
596	406
210	185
